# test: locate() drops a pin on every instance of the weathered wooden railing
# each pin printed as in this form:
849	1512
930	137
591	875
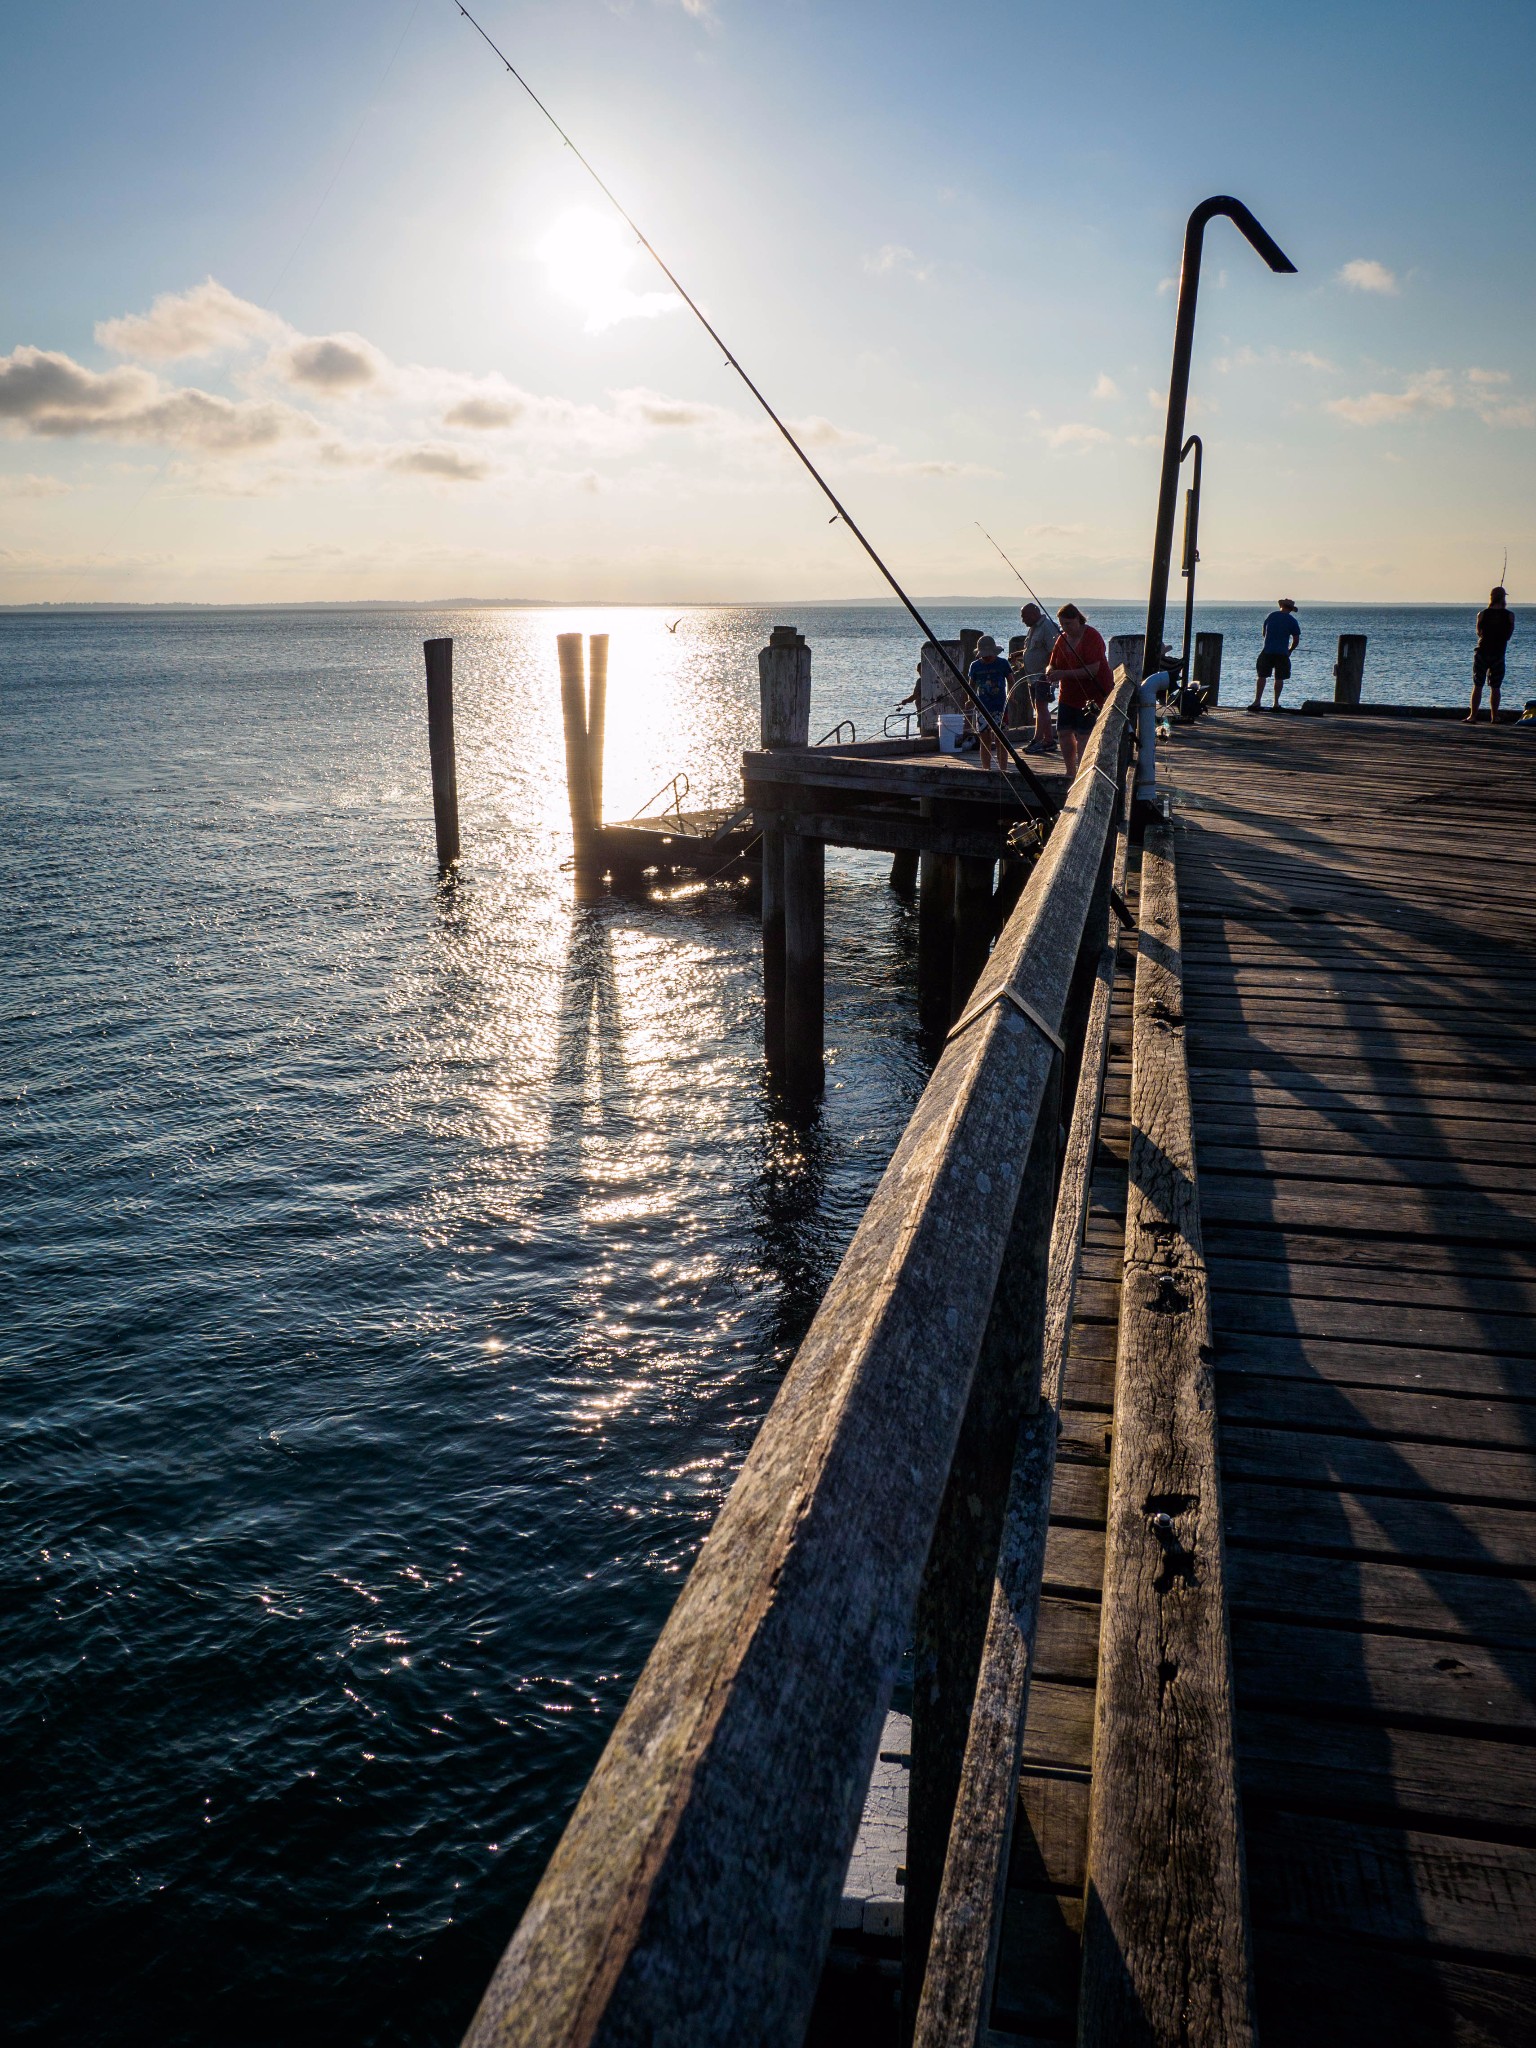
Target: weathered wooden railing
691	1897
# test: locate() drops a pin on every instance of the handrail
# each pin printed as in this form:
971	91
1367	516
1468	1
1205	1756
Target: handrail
690	1899
906	730
679	786
852	730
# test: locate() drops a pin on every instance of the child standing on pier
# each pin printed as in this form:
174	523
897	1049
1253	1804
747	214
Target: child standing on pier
1080	665
989	676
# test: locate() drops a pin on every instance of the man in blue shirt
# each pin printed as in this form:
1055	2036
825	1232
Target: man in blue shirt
1281	634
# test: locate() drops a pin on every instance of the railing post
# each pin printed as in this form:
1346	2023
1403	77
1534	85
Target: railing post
440	746
1349	669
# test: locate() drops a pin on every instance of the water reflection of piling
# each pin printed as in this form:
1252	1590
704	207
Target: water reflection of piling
445	785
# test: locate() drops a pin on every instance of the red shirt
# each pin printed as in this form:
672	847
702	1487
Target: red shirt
1090	652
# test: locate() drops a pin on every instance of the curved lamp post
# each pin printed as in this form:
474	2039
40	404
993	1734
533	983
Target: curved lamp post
1191	549
1178	395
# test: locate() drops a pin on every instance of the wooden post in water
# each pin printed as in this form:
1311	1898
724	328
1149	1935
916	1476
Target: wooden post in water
784	681
935	933
445	781
804	966
1207	664
904	871
597	718
973	926
578	765
1349	669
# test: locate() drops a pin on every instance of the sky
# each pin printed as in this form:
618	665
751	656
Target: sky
305	301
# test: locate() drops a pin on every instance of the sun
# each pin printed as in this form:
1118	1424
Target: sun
588	257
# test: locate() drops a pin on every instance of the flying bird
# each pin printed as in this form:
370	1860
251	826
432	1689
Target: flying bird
674	625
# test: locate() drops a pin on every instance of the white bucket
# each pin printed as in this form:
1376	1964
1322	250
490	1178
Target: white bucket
951	728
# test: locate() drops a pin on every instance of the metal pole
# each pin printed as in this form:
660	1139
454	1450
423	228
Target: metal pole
1178	395
1191	549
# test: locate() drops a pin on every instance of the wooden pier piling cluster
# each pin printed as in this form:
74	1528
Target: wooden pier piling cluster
584	711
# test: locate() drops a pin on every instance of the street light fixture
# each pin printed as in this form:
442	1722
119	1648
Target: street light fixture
1178	395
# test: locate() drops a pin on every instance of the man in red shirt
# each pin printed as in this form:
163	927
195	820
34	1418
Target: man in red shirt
1079	666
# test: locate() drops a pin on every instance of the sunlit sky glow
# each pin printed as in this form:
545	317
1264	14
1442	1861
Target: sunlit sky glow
306	302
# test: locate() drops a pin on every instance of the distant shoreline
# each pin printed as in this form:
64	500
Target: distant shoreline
51	606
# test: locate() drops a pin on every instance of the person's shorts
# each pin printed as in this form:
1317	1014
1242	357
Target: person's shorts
1487	668
1075	717
992	701
1276	665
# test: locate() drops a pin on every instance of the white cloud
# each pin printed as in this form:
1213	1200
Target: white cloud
1075	434
332	365
485	414
1475	376
1106	387
207	320
1165	285
449	465
1365	274
43	392
30	485
1246	358
587	257
1428	393
894	258
1519	413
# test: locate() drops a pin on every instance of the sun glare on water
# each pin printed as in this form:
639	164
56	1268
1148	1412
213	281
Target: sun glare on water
588	257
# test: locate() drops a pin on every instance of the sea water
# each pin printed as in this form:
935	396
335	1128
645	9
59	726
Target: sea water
394	1275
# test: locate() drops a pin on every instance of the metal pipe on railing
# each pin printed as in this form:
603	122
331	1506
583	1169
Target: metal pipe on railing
1191	550
1178	393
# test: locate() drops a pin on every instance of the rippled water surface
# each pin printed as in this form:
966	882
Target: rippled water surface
394	1276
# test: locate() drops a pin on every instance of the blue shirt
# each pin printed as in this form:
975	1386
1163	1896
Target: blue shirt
1281	633
990	678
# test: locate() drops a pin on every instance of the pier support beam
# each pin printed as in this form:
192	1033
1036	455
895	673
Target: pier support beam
445	779
904	872
578	766
935	938
804	966
792	1038
973	927
773	948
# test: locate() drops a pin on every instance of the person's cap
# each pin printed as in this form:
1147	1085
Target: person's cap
1287	604
986	644
1497	594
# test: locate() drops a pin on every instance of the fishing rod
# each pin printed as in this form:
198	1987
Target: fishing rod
1039	600
1035	785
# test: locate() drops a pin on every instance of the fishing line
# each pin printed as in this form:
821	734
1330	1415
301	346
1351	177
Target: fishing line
839	511
1039	600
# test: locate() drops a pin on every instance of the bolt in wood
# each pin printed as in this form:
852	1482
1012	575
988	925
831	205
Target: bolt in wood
445	784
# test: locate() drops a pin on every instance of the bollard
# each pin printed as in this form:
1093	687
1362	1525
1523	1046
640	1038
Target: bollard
1207	665
445	783
1349	669
784	679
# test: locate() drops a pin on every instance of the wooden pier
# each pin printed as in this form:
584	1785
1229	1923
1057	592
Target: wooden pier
1176	1399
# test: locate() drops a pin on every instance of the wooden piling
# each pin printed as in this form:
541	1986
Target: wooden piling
578	766
904	871
597	719
804	966
784	682
1207	664
773	947
1349	669
445	782
935	935
973	926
